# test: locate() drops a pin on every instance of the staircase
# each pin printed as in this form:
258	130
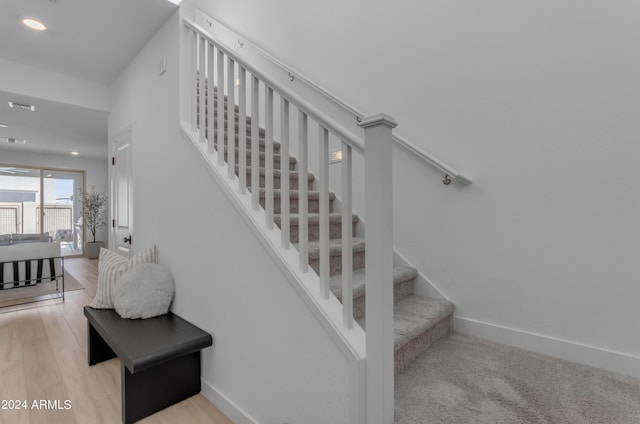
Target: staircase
418	321
228	96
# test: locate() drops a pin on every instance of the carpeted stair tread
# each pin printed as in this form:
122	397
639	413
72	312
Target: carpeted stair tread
314	218
294	177
262	156
276	173
401	274
335	247
295	194
414	315
261	144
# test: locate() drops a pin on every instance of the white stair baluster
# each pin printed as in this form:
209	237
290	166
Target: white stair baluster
231	120
242	129
303	229
202	92
211	100
220	120
323	186
347	237
255	144
194	80
268	173
284	172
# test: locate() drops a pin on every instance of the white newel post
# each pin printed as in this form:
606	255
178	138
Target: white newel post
379	268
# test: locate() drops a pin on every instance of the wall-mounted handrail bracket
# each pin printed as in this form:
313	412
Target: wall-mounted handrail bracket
446	180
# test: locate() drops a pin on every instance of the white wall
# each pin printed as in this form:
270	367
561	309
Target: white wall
537	103
272	360
95	171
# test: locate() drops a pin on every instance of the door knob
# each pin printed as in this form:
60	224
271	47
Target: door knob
127	239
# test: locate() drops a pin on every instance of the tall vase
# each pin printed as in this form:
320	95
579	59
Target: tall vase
92	249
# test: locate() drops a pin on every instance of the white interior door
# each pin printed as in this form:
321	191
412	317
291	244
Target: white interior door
121	192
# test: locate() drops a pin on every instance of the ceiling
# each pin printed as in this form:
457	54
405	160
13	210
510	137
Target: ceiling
92	40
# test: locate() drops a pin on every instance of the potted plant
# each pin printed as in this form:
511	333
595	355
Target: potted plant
95	215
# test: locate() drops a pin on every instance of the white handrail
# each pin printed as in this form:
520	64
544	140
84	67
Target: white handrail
451	174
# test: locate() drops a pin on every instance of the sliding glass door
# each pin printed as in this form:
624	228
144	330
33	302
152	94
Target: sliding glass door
62	213
39	204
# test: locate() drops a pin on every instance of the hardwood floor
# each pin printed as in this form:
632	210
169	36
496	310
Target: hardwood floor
43	357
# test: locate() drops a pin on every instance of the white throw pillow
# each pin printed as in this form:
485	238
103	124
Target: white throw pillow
144	291
111	266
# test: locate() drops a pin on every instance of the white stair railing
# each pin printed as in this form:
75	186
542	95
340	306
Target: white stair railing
212	77
451	174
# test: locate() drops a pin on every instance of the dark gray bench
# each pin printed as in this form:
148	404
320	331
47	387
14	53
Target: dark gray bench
160	358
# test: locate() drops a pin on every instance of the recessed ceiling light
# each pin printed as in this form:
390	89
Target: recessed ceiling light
74	153
34	24
4	126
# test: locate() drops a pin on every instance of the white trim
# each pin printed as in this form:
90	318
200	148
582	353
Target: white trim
357	392
229	408
585	354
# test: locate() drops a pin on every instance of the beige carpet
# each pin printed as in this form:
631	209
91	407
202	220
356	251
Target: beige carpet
41	291
465	380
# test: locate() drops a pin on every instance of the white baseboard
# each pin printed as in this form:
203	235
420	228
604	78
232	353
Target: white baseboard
610	360
226	405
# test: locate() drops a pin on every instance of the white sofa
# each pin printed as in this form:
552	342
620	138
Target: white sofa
16	238
27	264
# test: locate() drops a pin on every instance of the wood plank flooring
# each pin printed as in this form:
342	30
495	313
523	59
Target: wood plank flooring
43	356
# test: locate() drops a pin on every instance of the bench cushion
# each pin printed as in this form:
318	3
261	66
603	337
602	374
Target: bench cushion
141	344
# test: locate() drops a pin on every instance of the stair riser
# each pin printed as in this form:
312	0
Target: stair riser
313	205
407	353
215	103
335	231
261	137
261	132
293	182
400	291
236	116
276	161
335	263
261	145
